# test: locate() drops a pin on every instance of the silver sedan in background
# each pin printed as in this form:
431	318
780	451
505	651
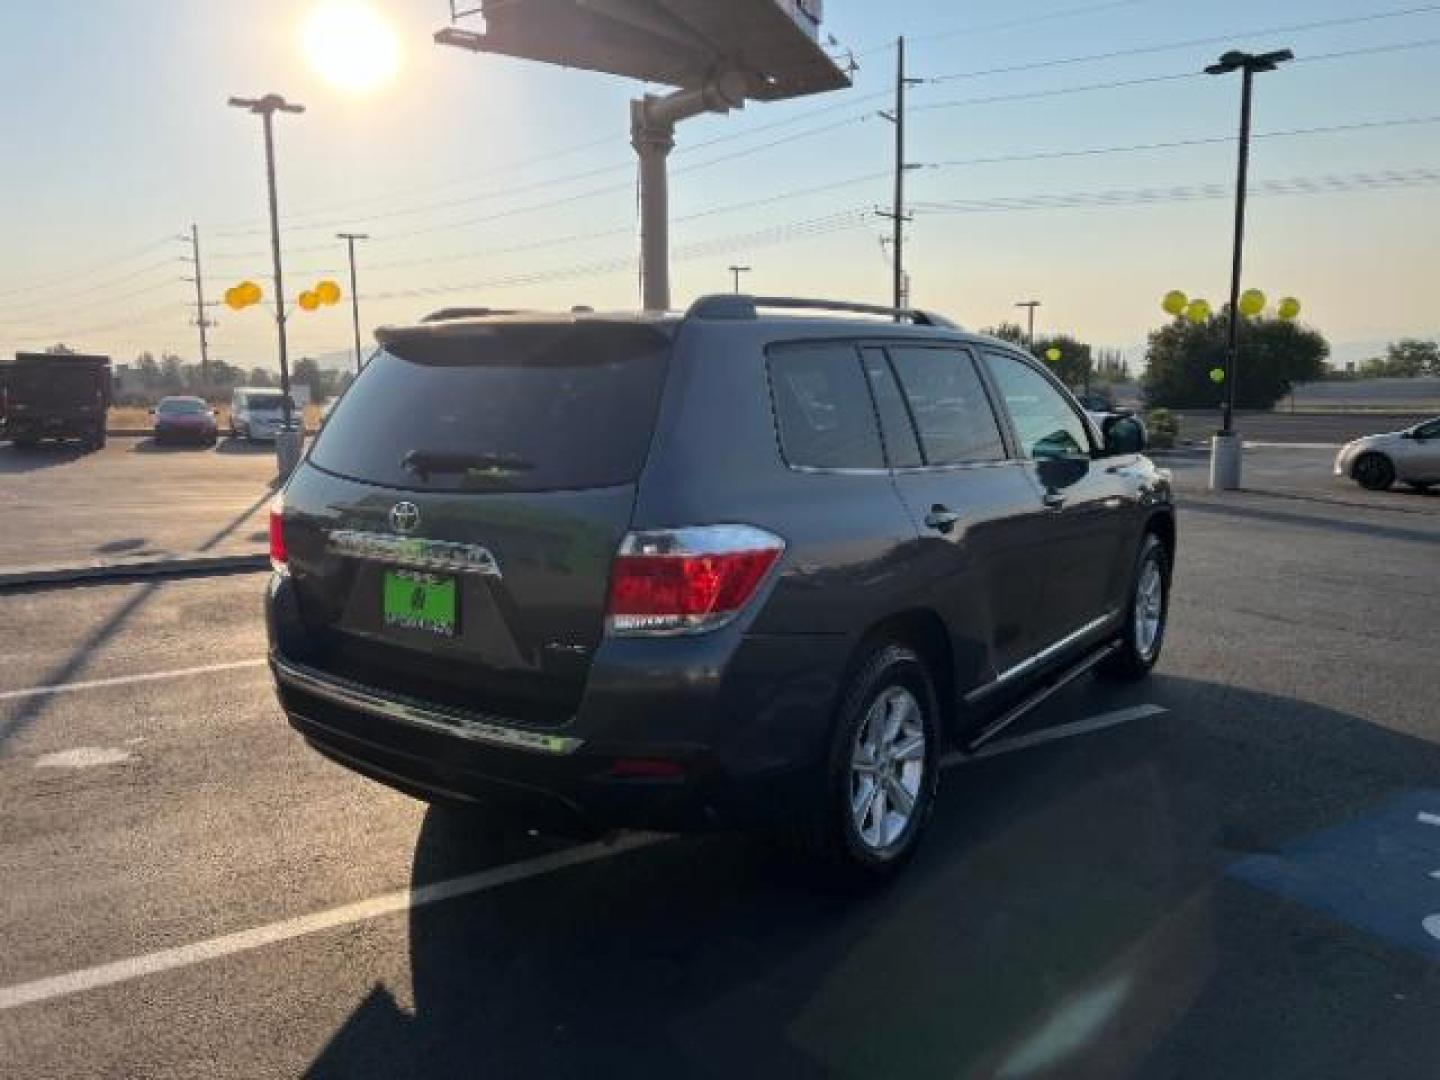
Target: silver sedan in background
1377	461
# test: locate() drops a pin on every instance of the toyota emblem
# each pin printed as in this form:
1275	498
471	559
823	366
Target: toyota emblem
404	517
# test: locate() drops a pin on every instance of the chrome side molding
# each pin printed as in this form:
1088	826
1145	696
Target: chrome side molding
415	552
458	724
1029	664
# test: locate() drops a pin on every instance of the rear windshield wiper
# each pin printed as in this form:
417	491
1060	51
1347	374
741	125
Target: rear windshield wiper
424	462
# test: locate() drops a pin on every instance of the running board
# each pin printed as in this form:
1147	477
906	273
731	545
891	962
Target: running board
1055	683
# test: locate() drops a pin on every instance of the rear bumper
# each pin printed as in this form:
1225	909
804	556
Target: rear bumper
744	722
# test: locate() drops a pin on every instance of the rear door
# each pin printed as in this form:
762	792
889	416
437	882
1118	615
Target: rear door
452	533
978	516
1088	536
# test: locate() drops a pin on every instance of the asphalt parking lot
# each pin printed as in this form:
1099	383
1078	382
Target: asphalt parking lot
1232	869
133	498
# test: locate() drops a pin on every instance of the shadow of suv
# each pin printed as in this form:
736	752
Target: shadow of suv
730	569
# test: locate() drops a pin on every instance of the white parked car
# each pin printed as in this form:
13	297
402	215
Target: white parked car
258	413
1411	456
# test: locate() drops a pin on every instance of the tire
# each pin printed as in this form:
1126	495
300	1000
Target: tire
888	719
1373	472
1147	613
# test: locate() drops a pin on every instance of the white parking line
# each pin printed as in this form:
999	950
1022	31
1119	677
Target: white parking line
1291	445
124	680
1427	819
135	967
1060	731
12	997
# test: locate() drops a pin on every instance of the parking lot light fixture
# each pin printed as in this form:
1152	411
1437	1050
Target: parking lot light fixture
288	443
1225	460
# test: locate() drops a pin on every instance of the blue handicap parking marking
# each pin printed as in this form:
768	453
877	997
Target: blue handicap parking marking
1379	872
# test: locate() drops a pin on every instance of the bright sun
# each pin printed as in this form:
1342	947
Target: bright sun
351	45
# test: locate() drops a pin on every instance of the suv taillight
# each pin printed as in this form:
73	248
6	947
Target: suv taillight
279	557
686	581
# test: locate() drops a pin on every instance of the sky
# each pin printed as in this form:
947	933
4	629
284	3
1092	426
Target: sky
488	180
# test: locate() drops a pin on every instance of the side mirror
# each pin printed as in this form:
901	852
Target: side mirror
1124	435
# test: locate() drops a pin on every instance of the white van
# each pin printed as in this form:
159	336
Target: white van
257	412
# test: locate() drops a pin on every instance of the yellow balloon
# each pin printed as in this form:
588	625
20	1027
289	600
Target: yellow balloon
253	294
1053	354
1252	302
1197	311
1174	302
309	301
233	300
1289	308
328	292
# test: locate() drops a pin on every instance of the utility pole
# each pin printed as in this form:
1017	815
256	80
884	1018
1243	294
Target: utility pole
288	442
350	239
1225	451
735	272
897	213
1031	305
200	319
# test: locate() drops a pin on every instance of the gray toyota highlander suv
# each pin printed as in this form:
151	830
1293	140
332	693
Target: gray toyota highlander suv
760	565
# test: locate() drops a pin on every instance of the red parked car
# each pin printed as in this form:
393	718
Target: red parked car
185	419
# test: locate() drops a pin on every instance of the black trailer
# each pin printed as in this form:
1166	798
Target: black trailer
54	396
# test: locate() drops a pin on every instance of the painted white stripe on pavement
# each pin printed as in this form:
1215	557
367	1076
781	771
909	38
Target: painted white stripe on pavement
1427	819
1291	445
1060	731
123	680
12	997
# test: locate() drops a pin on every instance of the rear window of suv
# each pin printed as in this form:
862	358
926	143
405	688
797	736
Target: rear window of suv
507	407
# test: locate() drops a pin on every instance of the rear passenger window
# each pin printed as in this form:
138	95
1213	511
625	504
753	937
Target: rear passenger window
895	424
952	414
822	408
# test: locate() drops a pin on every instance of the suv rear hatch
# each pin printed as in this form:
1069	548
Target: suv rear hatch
451	535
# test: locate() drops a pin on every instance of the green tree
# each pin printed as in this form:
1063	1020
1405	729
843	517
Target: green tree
1007	331
1408	358
259	376
1110	366
1074	365
172	377
147	370
1274	355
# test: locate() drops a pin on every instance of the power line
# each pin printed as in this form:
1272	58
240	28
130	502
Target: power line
1057	91
68	277
1174	144
1170	46
1384	180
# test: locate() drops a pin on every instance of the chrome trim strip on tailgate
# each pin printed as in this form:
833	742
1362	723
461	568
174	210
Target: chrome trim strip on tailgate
415	552
460	725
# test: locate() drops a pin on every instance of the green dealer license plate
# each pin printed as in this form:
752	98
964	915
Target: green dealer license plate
419	601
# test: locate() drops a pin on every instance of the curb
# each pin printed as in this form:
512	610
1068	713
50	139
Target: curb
108	570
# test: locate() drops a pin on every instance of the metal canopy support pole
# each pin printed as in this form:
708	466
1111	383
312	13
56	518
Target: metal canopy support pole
652	133
653	143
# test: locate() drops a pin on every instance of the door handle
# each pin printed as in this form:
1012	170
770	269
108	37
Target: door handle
941	518
1053	499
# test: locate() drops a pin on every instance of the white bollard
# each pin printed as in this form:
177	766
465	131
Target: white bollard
1225	461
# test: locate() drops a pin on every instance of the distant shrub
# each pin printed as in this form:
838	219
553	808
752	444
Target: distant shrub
1164	428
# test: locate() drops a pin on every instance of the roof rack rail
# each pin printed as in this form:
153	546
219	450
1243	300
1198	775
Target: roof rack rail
741	306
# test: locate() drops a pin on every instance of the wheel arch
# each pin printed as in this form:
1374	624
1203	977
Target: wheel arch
923	630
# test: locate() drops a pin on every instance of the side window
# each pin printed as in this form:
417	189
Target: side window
1429	431
901	446
1045	423
947	399
822	407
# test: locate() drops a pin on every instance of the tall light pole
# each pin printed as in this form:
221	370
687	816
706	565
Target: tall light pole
287	443
1225	452
1031	305
735	272
350	238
